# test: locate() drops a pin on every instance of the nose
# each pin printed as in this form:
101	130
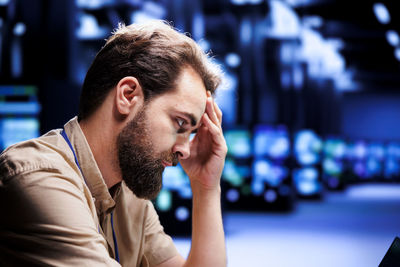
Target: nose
182	148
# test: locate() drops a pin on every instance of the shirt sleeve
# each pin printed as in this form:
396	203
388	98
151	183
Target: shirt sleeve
159	246
47	221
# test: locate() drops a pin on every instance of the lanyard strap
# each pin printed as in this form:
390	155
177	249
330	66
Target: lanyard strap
73	151
64	134
114	238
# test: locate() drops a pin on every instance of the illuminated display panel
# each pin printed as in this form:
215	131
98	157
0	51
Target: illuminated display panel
239	143
19	111
306	181
333	167
272	142
307	178
307	147
392	161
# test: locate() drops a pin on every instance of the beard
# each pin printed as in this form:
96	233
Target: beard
140	167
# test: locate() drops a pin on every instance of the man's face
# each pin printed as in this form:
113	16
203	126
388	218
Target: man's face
158	136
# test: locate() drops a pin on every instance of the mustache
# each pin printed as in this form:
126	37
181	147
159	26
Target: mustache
171	157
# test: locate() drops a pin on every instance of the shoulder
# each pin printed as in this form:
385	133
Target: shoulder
49	152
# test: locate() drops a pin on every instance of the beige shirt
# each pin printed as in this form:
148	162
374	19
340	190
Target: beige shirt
51	216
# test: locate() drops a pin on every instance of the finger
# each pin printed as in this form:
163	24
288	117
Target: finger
211	112
218	112
212	127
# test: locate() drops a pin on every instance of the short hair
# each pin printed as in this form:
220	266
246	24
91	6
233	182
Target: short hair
154	53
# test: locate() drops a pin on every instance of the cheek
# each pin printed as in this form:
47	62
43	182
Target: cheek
163	137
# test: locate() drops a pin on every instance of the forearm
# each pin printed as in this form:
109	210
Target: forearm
208	240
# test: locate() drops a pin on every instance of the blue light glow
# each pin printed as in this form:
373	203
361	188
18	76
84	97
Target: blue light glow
298	77
155	10
238	2
344	82
20	108
392	37
270	195
226	97
376	151
234	174
285	23
239	143
360	169
334	148
19	29
141	16
272	174
306	181
232	60
262	167
246	2
16	58
332	167
175	179
307	146
382	13
360	150
297	3
204	44
89	28
92	4
198	26
14	130
164	200
286	79
323	56
397	53
392	168
246	31
257	187
271	142
185	192
312	21
393	150
287	53
232	195
356	151
374	167
182	213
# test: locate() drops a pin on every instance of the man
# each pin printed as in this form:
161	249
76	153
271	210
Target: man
80	195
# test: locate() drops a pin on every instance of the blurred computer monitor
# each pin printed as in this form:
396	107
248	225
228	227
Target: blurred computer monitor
239	143
307	147
271	142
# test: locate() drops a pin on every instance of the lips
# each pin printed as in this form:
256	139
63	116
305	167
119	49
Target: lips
166	163
169	160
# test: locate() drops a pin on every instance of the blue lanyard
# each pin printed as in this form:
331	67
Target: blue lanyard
77	164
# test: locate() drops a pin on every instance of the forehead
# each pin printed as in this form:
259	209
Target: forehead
189	96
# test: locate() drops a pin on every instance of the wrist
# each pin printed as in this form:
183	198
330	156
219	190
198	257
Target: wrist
199	188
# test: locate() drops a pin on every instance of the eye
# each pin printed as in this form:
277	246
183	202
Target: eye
181	122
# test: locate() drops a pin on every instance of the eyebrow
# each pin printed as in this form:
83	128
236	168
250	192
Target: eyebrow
192	118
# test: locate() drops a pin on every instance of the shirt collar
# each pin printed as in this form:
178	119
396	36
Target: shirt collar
93	177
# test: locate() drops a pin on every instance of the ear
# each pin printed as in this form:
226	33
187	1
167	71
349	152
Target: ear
129	95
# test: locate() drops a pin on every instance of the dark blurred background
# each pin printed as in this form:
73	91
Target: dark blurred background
311	102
